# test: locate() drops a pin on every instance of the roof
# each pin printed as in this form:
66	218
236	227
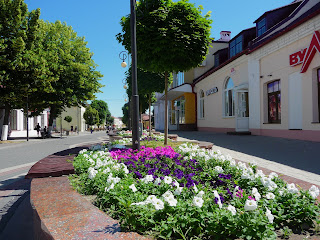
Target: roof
294	2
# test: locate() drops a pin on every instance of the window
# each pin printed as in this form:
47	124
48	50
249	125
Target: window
13	120
318	93
201	110
274	102
235	46
261	27
178	111
178	79
229	98
216	60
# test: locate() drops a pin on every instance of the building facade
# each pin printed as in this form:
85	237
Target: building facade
266	80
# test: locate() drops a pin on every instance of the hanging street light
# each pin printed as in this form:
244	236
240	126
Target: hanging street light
135	96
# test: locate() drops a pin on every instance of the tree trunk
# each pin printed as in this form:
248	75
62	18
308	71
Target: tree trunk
150	115
52	116
166	109
5	127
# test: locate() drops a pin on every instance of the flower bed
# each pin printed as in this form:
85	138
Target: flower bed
190	192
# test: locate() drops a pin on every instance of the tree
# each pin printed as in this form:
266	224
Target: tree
171	37
68	119
126	113
148	84
19	67
70	66
91	116
103	110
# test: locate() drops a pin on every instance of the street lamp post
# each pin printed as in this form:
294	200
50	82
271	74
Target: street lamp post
134	96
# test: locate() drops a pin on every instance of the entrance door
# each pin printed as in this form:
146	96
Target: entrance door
242	111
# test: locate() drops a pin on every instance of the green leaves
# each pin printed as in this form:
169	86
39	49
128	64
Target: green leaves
171	36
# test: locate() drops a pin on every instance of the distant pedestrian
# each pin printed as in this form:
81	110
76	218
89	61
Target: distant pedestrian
71	128
91	130
45	129
38	129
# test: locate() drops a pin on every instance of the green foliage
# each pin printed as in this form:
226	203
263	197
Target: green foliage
171	36
125	113
91	116
19	66
70	67
68	119
103	110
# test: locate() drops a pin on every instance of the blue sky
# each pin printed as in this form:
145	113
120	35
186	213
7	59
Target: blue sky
98	21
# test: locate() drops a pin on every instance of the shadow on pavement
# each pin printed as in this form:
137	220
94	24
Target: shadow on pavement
16	215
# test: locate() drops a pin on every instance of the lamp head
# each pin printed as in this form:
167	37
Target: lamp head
123	64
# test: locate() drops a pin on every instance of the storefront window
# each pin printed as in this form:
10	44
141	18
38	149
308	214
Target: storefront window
201	104
229	98
274	102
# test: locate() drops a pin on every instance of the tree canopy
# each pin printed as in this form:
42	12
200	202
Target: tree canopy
103	110
91	116
18	28
171	36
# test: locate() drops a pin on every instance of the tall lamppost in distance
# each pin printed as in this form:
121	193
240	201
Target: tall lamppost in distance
135	96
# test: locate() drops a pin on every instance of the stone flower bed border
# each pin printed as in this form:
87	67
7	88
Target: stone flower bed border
61	213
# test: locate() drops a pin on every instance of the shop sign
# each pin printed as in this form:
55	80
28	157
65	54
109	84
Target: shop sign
306	55
211	91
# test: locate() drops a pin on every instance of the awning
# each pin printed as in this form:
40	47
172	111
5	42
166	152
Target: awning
176	92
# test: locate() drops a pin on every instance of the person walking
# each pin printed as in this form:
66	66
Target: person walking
38	128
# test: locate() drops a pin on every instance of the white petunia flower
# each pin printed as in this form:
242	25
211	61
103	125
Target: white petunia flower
292	188
171	201
218	169
167	194
107	189
151	199
232	163
98	164
147	179
314	191
195	188
216	194
197	201
200	194
157	181
167	180
92	172
273	175
107	170
260	174
158	204
250	205
281	192
270	195
94	156
232	209
228	157
256	194
269	215
83	151
178	190
85	155
133	187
